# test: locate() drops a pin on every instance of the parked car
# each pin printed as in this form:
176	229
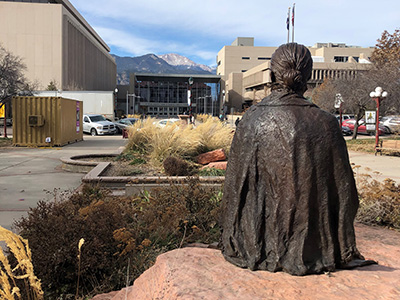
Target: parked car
164	122
97	125
362	129
124	123
8	121
344	117
391	123
346	130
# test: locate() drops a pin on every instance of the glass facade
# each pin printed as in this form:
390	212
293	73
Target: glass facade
167	95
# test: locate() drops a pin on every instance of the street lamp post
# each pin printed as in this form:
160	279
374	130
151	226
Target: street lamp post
116	101
127	102
378	95
222	104
338	105
190	81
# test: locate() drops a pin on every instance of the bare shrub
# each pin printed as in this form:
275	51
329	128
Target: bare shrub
174	166
379	202
119	233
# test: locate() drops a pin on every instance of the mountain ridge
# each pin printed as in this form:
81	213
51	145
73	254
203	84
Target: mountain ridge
171	63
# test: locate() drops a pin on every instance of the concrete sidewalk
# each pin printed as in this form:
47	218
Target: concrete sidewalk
379	167
28	175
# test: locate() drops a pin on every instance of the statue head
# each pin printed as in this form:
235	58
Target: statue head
291	66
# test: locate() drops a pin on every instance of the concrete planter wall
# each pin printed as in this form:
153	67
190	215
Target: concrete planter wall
132	185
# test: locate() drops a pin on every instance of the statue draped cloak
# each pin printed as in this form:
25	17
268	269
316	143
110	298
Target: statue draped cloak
290	197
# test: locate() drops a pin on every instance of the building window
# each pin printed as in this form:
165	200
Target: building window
340	58
219	63
244	71
356	58
264	58
245	57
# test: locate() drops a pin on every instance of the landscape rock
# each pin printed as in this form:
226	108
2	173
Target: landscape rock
202	273
221	165
212	156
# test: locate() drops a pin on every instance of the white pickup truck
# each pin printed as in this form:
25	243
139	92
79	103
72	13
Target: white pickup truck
98	125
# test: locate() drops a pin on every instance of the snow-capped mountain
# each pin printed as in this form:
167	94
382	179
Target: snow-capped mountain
181	61
163	64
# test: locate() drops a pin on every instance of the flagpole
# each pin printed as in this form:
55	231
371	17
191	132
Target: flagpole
293	23
288	25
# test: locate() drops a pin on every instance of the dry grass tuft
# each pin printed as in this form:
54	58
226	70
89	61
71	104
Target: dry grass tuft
181	141
23	271
212	134
204	117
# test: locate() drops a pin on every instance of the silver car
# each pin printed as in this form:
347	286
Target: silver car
124	123
391	123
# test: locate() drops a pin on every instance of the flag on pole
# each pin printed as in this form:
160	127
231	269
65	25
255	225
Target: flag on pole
293	15
287	20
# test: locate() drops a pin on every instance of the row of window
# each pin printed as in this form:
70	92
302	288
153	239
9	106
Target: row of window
344	58
259	58
319	74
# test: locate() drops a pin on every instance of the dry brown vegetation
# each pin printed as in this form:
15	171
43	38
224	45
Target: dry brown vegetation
5	142
379	202
180	141
368	146
123	236
17	279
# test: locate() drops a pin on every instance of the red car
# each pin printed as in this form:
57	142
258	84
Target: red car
362	129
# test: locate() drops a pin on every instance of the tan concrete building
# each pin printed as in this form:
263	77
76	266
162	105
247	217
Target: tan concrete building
56	43
245	72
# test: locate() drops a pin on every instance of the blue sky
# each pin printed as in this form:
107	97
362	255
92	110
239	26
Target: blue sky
199	29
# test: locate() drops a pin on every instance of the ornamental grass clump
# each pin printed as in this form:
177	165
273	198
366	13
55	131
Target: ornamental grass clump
172	140
17	279
178	140
204	117
212	135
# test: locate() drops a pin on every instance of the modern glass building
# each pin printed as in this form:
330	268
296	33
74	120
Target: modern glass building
169	95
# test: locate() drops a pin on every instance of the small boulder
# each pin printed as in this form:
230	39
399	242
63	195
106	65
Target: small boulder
221	165
212	156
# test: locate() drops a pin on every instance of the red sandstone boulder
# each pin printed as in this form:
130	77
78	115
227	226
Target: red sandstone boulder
201	273
212	156
216	165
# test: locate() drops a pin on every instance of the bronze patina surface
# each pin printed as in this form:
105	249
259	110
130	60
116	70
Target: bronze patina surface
290	197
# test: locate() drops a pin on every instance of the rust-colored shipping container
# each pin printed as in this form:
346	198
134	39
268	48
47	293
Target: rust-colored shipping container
46	121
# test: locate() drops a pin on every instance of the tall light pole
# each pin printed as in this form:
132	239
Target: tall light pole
116	100
338	105
222	104
127	102
190	81
378	95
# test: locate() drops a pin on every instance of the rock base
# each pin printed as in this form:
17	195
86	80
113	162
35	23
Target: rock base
201	273
212	156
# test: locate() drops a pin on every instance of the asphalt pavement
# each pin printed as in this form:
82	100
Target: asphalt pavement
28	175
